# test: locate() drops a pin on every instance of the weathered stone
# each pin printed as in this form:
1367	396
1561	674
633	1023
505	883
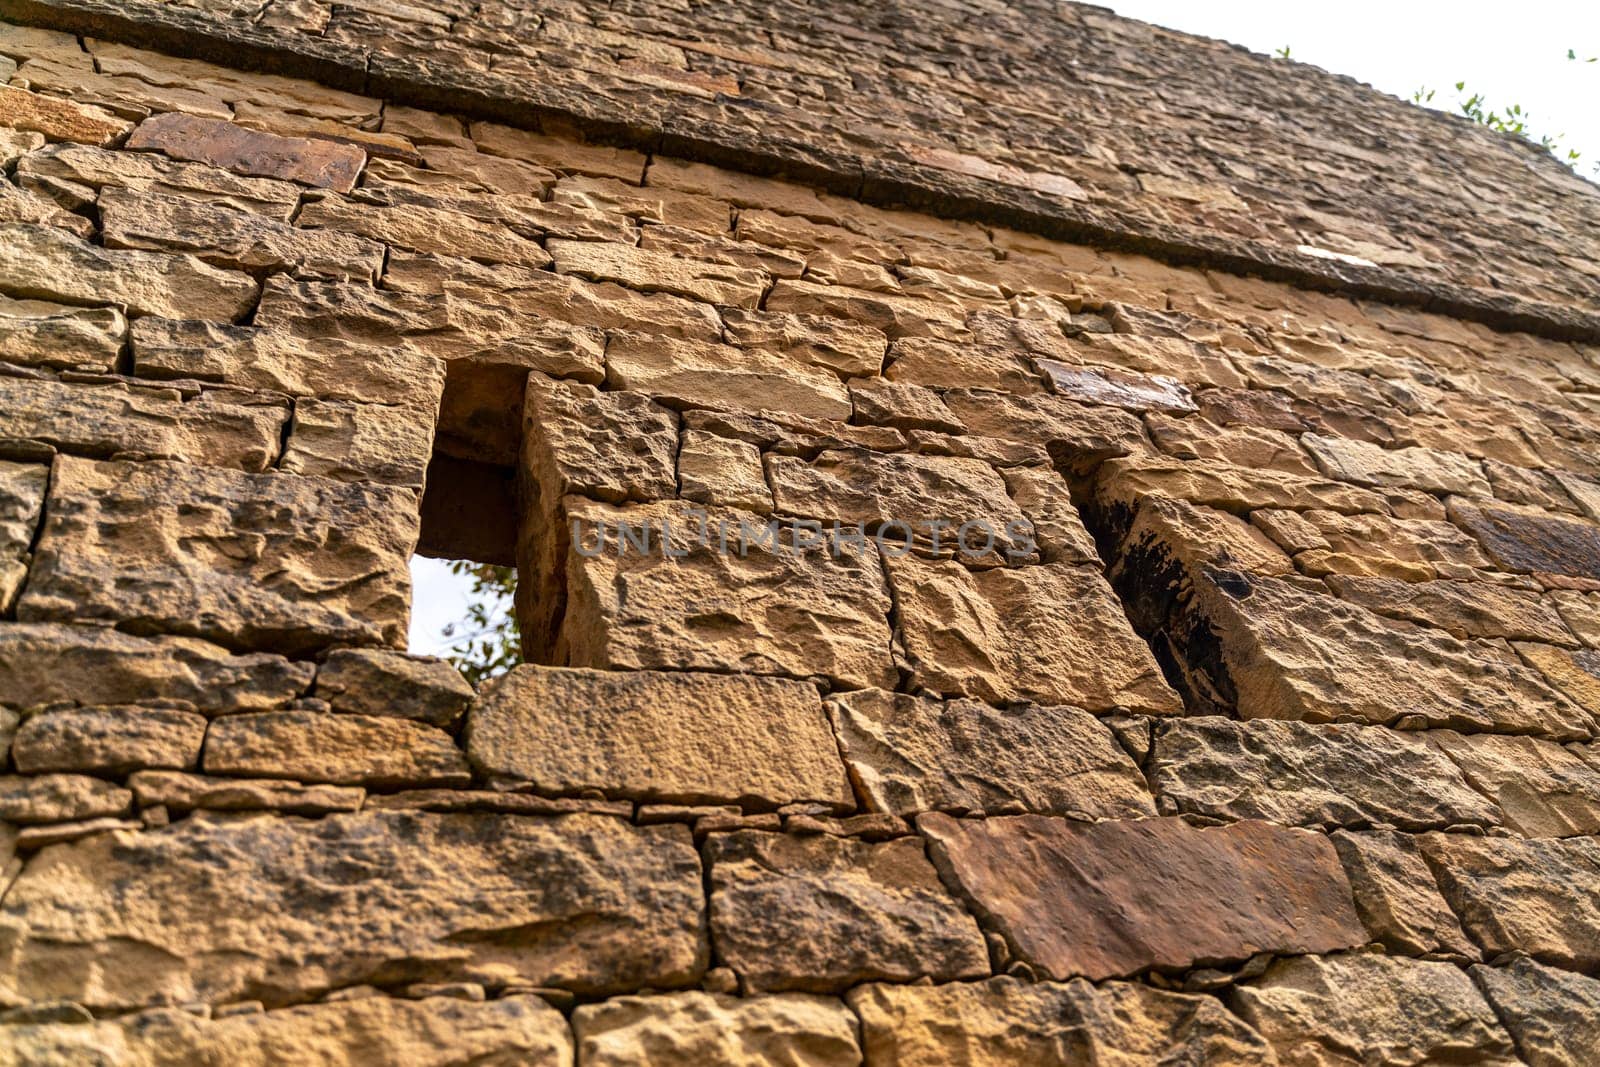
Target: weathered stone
222	555
1523	539
1426	469
1298	774
49	798
1543	789
659	737
908	754
350	749
756	608
895	316
559	153
59	120
694	1029
1396	897
1532	896
434	1032
24	206
22	489
1572	672
651	272
1004	1022
1235	489
37	333
1255	447
280	909
369	682
180	792
1185	897
1465	609
1553	1016
122	420
905	406
939	364
1078	436
109	740
34	838
1369	1008
316	162
14	144
1325	543
42	262
80	166
331	368
722	471
239	240
696	374
495	173
50	663
1050	634
424	229
1058	530
1136	392
352	442
821	913
607	445
849	349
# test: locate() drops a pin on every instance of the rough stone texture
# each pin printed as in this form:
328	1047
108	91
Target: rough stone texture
1534	896
22	488
909	754
434	1032
688	373
1185	896
109	740
279	908
236	572
1298	774
48	798
693	1029
424	228
659	737
64	168
41	334
722	471
1366	1008
351	442
1522	539
1412	468
1465	609
59	120
821	913
1024	634
180	792
1543	789
349	749
1047	502
370	682
1007	1023
648	271
1396	896
321	163
1553	1016
51	663
44	263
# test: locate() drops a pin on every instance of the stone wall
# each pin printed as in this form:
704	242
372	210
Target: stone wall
1269	737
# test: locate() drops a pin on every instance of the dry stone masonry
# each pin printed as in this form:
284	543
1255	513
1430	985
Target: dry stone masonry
995	590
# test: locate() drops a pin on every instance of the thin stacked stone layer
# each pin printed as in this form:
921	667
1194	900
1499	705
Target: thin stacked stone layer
1266	735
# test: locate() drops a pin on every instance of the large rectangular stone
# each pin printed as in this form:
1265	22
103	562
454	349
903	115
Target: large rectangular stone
697	1029
424	229
1426	469
652	272
1184	897
253	561
283	909
37	333
1543	788
688	373
659	737
82	166
58	119
377	751
1396	895
382	443
1525	539
321	163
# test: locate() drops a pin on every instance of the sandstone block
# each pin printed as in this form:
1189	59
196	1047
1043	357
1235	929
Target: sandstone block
1465	609
1003	1022
1553	1016
1235	489
659	737
238	240
1117	388
902	405
895	316
1050	634
351	442
686	373
1058	530
1299	774
370	682
1396	896
1414	550
118	420
178	791
51	798
51	663
722	471
1078	435
25	206
59	120
109	740
315	162
820	913
559	153
1532	896
1185	897
421	228
771	610
42	262
1543	789
37	333
1573	672
1426	469
280	909
909	754
236	558
22	489
694	1029
494	173
433	1032
1256	447
81	166
14	144
1524	539
1369	1008
848	349
650	272
350	749
610	446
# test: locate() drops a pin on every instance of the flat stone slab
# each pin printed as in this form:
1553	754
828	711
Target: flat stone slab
695	1029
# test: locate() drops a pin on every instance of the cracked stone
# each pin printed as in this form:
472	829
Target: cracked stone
694	1029
1553	1016
109	740
339	749
1396	896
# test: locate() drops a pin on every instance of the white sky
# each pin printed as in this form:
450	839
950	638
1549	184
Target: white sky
1512	53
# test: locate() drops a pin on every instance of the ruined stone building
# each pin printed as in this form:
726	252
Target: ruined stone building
1213	675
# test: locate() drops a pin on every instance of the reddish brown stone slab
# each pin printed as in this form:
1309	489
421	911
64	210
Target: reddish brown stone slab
310	161
1111	899
1522	539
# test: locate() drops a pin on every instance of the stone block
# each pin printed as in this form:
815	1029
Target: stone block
52	798
694	1029
109	740
59	120
1396	896
650	272
352	442
696	374
1553	1016
315	162
37	333
370	682
349	749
